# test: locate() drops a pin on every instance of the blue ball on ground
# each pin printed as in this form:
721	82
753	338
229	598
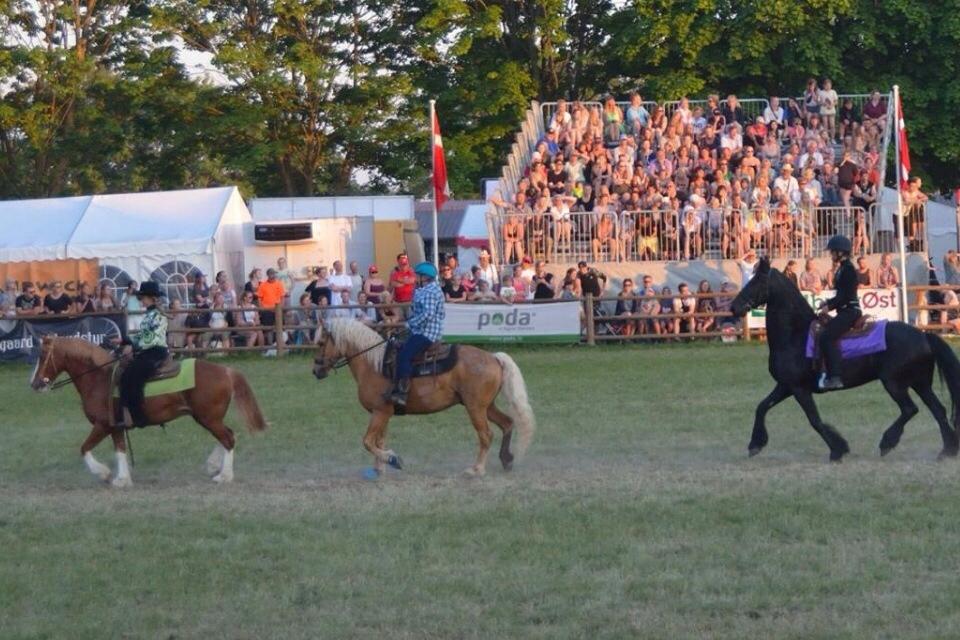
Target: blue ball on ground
370	474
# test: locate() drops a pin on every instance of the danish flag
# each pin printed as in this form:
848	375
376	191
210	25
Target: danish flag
904	158
441	190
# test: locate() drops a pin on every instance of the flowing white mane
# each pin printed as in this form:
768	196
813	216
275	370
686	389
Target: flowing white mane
352	336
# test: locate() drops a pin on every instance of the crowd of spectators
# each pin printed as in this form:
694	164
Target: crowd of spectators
639	184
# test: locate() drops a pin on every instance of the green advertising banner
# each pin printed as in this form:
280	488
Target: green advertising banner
525	322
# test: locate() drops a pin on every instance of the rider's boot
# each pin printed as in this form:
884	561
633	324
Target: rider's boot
830	383
399	394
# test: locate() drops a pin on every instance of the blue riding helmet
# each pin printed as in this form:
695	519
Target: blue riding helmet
425	269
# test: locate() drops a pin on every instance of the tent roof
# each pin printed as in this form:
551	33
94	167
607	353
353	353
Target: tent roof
35	230
151	224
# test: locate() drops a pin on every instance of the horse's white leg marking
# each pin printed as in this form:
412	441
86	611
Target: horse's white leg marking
215	460
98	469
123	471
226	471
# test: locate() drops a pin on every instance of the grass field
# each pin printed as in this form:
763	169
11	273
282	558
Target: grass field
636	514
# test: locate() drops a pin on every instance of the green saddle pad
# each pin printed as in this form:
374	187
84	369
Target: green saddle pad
184	380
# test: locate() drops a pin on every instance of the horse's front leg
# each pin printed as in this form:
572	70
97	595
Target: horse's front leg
97	468
838	446
122	477
375	438
759	437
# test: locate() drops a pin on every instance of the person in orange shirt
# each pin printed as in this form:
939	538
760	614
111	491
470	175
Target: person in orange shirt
270	293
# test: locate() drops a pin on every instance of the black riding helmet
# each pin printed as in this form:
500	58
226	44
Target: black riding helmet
841	244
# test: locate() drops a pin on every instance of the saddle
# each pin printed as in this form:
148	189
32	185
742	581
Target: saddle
861	327
169	368
438	358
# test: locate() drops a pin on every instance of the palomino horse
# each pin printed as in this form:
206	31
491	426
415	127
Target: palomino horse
90	370
907	363
474	382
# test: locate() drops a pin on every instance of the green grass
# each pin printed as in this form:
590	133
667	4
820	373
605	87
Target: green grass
635	514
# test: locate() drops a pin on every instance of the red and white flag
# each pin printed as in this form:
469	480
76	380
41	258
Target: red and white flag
441	190
904	158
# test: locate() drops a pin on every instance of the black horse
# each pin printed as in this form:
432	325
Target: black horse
908	363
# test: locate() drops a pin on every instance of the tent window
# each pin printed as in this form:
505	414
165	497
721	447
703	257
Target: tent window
174	279
116	278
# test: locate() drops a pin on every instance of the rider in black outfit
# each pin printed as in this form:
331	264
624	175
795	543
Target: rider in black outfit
845	303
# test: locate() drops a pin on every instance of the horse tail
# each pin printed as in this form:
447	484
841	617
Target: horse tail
514	390
948	366
247	402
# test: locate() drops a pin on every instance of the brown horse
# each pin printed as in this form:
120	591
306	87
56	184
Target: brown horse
474	382
90	369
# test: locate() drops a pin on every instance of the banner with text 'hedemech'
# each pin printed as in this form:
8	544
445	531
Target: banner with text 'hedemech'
542	322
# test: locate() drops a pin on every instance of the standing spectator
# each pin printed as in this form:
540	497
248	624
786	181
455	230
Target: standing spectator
84	302
810	280
200	287
270	293
847	176
356	280
914	206
319	287
340	282
373	286
132	304
488	272
29	302
811	100
402	280
828	108
951	269
284	275
253	283
223	288
747	266
589	280
249	318
57	302
864	274
105	300
198	318
176	338
302	318
8	299
887	276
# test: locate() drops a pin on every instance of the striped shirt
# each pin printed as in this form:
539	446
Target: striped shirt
426	318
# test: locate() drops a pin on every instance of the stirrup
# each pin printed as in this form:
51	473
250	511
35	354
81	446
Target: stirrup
831	383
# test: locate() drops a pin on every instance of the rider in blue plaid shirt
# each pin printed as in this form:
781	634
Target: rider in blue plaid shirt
426	327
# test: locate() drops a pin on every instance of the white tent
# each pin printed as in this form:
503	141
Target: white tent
472	235
35	230
166	236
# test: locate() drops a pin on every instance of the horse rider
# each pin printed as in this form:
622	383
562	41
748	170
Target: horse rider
426	327
149	349
845	303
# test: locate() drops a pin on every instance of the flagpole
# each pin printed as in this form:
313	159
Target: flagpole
433	189
898	117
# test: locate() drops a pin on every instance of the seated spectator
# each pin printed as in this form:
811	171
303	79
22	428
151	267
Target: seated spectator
508	292
728	291
864	274
649	306
57	302
302	321
759	230
875	113
685	304
200	287
732	111
365	311
105	300
887	276
951	268
483	293
782	230
84	302
198	318
790	271
513	237
848	118
705	304
248	318
810	280
8	299
218	320
454	290
636	117
627	305
390	315
669	324
342	308
774	112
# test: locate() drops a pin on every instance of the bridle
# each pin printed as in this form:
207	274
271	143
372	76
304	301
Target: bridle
340	361
50	358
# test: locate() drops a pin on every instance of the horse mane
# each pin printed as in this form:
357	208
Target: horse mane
79	349
792	295
352	336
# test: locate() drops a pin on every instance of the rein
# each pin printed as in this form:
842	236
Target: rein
63	383
345	360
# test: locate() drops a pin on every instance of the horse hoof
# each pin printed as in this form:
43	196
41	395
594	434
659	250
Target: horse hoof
473	472
508	466
222	478
885	450
395	461
370	474
752	451
122	482
947	453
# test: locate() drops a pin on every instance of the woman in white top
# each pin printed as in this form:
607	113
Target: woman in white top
249	317
218	320
828	108
683	112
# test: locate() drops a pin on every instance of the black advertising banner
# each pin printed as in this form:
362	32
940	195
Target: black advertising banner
20	339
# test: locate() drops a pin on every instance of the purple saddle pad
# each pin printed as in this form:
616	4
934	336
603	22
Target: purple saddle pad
873	341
